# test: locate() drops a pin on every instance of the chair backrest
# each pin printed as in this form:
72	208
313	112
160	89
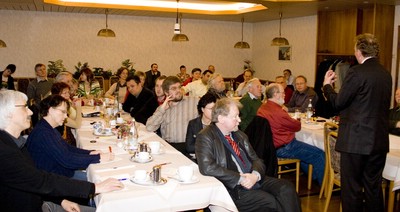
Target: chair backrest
101	81
113	80
260	138
22	84
332	157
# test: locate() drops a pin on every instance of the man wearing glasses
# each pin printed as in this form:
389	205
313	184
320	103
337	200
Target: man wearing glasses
302	96
173	116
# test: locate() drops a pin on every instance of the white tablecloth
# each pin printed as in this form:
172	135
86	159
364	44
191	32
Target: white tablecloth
171	196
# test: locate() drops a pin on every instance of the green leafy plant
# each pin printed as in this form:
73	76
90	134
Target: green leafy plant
55	67
129	65
98	71
78	69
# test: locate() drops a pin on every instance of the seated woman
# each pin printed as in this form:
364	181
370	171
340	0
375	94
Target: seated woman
204	107
74	119
119	87
50	151
88	86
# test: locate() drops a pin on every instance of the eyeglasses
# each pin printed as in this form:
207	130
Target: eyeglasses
24	105
62	111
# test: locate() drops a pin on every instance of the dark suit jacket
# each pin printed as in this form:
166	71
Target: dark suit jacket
22	185
150	82
214	159
193	129
142	107
10	81
363	102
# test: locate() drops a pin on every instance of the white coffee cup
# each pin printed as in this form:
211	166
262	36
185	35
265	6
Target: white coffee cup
185	173
143	156
140	175
154	146
120	120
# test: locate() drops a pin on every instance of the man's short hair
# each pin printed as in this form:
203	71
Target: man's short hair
195	70
8	98
207	71
279	77
140	74
39	65
170	80
288	70
301	76
134	78
60	76
367	44
182	66
222	108
153	65
271	89
250	82
162	77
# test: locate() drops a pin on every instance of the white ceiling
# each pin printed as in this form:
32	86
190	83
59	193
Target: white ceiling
289	9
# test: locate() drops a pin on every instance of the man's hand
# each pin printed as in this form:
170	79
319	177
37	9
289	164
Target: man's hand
109	156
70	206
249	180
111	184
165	105
329	77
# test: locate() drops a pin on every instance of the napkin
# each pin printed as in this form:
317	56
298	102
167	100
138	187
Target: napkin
166	190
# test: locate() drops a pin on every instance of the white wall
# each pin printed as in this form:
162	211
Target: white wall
37	37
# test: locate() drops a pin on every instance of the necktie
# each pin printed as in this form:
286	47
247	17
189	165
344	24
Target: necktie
233	144
235	148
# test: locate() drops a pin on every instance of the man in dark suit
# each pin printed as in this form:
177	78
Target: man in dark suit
224	152
151	76
363	102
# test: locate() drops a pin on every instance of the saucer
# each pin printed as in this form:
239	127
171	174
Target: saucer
137	160
103	133
148	182
194	179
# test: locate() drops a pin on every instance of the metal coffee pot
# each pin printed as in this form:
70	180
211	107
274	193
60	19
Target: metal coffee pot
143	147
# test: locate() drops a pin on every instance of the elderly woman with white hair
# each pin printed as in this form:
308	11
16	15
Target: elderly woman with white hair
22	185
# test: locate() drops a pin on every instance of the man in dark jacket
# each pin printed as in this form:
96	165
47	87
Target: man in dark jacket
224	152
363	140
22	186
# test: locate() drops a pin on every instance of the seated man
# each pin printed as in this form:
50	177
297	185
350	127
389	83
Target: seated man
140	102
394	116
283	129
224	152
174	114
23	187
242	88
288	90
199	87
301	96
196	75
251	101
216	86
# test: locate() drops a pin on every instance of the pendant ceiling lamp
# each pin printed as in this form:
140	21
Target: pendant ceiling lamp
2	44
178	36
242	44
280	41
106	32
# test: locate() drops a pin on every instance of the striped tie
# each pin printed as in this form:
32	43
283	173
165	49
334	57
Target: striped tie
233	144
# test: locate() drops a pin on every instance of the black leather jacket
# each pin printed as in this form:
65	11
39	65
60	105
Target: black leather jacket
214	159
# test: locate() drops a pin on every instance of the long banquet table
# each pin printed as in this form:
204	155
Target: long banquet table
172	196
314	135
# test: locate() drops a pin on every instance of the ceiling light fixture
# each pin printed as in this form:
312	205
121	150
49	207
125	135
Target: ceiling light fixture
106	32
242	44
178	36
280	41
2	44
192	6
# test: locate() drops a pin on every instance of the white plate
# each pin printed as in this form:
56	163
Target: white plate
103	133
148	182
194	179
137	160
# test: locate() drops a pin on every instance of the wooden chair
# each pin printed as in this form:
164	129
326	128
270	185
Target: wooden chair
260	137
333	170
100	79
328	127
113	80
22	84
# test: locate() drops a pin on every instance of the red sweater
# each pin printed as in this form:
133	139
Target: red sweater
282	125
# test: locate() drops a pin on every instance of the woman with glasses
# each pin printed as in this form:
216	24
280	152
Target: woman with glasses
204	108
50	151
74	119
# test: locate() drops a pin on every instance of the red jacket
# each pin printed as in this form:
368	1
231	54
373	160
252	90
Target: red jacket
283	126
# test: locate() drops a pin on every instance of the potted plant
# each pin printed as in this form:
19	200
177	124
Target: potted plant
78	69
129	65
55	67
